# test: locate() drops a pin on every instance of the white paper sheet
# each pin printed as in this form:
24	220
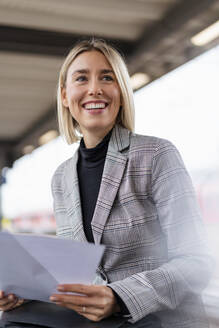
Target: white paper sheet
32	266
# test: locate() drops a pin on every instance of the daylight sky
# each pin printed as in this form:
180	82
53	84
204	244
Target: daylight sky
182	106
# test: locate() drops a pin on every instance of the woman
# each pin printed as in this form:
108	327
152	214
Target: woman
130	193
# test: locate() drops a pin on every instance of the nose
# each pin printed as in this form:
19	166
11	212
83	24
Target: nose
94	89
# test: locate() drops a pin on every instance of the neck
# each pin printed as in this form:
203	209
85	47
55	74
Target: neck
91	138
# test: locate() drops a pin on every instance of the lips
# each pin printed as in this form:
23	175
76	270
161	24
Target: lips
91	105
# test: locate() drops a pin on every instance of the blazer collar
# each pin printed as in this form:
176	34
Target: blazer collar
114	167
119	139
72	198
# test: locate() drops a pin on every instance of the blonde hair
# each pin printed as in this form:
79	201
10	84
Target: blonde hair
68	126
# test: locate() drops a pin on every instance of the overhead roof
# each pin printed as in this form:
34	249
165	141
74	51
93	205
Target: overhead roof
35	36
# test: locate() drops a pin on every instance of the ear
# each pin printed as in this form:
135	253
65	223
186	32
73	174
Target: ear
64	97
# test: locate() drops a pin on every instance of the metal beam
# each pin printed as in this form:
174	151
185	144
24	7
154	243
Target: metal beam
29	40
171	23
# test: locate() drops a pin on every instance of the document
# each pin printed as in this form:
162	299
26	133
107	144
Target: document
32	266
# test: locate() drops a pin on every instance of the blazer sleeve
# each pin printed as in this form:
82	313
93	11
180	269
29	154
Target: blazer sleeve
189	264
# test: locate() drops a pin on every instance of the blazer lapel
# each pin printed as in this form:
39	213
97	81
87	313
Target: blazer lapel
73	200
114	167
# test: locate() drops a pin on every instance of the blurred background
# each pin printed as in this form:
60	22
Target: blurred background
172	51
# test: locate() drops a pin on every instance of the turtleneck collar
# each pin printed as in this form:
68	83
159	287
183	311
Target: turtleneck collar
92	157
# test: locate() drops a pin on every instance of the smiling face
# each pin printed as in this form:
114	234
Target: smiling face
92	94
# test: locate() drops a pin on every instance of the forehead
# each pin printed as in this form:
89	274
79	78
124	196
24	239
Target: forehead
90	60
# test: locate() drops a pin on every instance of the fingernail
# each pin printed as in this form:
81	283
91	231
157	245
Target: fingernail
60	288
53	298
11	297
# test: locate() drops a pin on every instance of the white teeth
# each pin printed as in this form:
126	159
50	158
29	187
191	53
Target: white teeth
94	105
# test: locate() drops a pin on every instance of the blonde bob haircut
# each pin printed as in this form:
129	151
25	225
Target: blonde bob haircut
68	126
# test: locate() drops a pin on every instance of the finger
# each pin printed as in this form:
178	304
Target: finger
100	299
19	302
88	310
78	288
92	317
1	294
7	300
83	310
74	300
8	306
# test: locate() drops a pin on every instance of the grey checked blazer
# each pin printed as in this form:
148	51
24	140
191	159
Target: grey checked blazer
147	217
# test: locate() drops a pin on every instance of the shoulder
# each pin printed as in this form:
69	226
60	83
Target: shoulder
157	153
151	144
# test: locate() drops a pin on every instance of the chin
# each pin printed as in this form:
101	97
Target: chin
100	126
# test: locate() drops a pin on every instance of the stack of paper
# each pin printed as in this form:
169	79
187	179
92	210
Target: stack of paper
32	266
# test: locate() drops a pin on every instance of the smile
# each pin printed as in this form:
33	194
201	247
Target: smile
100	105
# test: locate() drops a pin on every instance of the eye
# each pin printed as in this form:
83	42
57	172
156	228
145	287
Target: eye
81	78
108	78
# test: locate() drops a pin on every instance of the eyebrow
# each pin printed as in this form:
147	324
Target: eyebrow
86	71
106	71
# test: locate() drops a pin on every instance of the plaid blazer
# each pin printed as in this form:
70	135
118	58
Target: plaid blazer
147	217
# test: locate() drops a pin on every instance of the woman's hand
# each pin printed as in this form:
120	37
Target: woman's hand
9	302
95	303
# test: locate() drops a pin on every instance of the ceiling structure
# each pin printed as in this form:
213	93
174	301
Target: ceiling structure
35	36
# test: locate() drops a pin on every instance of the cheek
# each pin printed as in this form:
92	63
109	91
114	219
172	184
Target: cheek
116	96
73	95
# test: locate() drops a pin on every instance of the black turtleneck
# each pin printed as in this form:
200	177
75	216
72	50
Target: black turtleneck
90	169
